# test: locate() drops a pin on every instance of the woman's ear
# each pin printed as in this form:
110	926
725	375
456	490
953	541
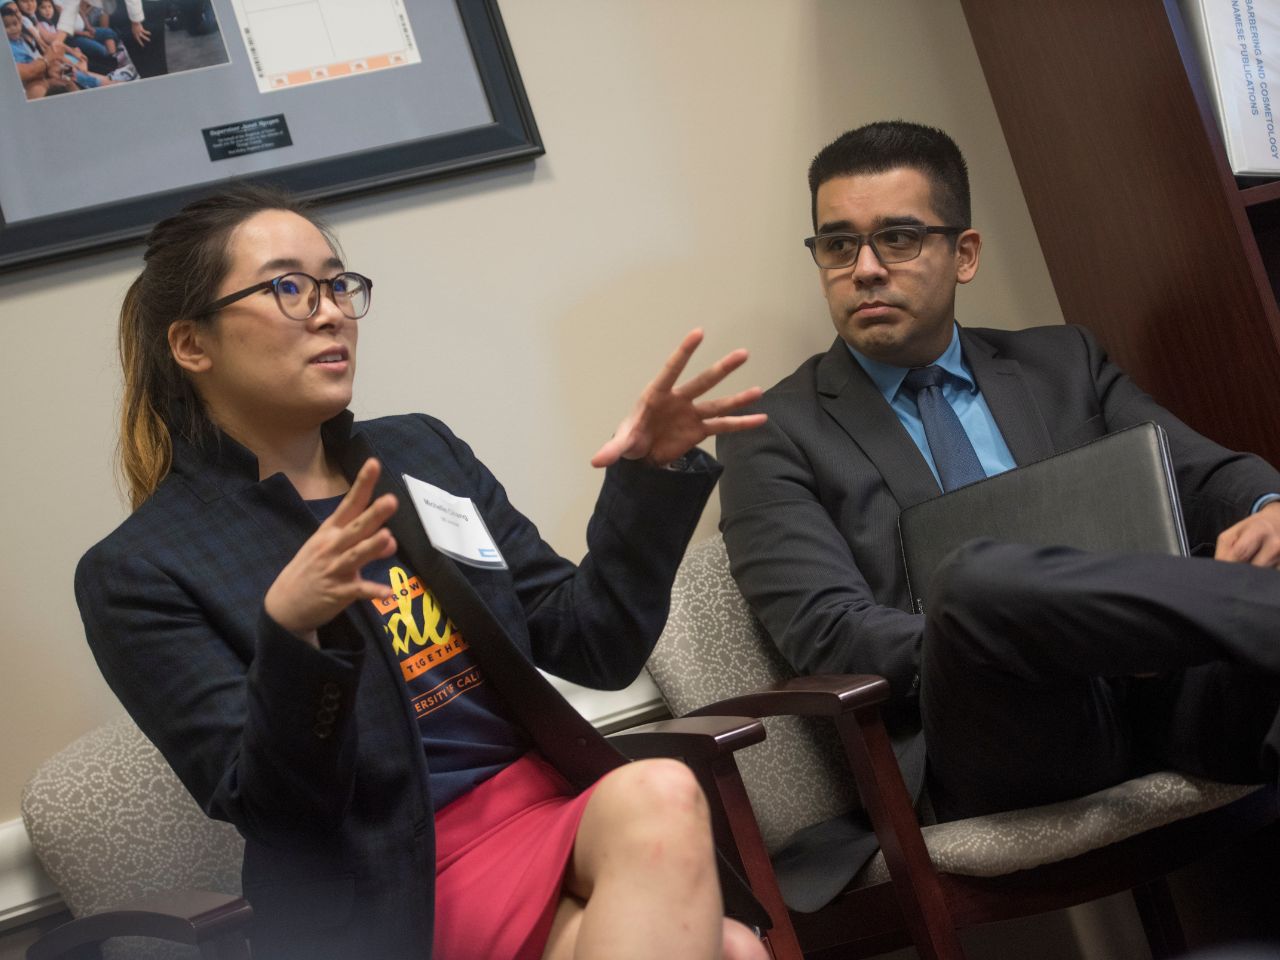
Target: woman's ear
186	343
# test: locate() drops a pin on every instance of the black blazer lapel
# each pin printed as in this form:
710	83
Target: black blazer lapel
566	738
1010	400
852	400
571	744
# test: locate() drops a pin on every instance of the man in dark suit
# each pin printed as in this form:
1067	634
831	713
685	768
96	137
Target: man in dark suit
1037	674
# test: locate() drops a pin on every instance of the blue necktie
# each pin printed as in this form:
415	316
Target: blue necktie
953	453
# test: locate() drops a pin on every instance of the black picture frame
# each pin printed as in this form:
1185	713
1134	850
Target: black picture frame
512	136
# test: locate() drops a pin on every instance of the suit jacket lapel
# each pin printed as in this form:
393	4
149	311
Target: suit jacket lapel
1009	399
853	401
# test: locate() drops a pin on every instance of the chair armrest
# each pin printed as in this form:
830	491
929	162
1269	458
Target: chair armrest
823	695
707	745
852	703
183	916
694	738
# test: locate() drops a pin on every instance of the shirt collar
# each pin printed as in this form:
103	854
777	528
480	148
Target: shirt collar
888	378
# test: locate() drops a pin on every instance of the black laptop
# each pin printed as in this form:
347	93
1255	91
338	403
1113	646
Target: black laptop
1115	493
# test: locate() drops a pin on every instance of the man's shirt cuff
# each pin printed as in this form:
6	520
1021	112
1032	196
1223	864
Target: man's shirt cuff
1263	500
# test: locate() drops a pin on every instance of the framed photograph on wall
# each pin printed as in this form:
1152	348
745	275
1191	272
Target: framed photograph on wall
111	122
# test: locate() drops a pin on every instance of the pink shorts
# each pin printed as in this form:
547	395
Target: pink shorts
501	853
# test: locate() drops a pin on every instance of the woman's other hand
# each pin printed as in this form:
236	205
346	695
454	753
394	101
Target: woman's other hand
668	421
324	576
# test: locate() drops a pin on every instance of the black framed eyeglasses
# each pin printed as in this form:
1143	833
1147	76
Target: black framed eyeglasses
895	244
298	294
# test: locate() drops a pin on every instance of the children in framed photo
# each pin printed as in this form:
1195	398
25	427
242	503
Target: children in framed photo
130	108
72	47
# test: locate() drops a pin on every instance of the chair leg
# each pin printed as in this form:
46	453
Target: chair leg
1159	919
888	804
738	834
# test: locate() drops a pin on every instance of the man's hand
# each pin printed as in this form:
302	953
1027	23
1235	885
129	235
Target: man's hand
666	422
323	577
1255	539
140	33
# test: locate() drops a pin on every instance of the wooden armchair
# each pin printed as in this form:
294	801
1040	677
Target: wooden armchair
827	754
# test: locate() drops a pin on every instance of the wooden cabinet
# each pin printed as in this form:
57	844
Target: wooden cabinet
1150	241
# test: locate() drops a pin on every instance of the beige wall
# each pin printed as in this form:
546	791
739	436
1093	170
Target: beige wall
527	307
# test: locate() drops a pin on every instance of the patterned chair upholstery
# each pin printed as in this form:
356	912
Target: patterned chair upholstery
714	649
111	824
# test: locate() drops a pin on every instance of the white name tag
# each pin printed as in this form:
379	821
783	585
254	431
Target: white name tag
454	526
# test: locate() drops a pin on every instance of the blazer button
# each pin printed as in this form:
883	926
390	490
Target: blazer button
326	715
330	689
323	731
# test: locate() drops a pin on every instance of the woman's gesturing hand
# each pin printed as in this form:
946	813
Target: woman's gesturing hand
323	577
668	421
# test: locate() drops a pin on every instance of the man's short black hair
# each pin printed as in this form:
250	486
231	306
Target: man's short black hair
888	144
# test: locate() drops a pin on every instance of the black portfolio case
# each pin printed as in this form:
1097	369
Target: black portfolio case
1115	493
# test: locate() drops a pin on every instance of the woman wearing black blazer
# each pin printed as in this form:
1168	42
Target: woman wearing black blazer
365	710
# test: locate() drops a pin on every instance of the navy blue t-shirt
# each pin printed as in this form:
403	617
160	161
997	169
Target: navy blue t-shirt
466	732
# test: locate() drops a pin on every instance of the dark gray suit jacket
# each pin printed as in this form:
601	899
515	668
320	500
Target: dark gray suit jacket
810	503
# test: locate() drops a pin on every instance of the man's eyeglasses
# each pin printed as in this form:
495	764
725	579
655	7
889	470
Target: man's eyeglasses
298	295
895	244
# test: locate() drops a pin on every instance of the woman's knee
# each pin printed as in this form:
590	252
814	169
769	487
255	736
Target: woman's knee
656	810
647	819
661	789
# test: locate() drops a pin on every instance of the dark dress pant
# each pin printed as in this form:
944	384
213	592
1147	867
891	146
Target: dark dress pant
1048	673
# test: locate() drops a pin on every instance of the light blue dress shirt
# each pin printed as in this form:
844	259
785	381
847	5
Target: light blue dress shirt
960	390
